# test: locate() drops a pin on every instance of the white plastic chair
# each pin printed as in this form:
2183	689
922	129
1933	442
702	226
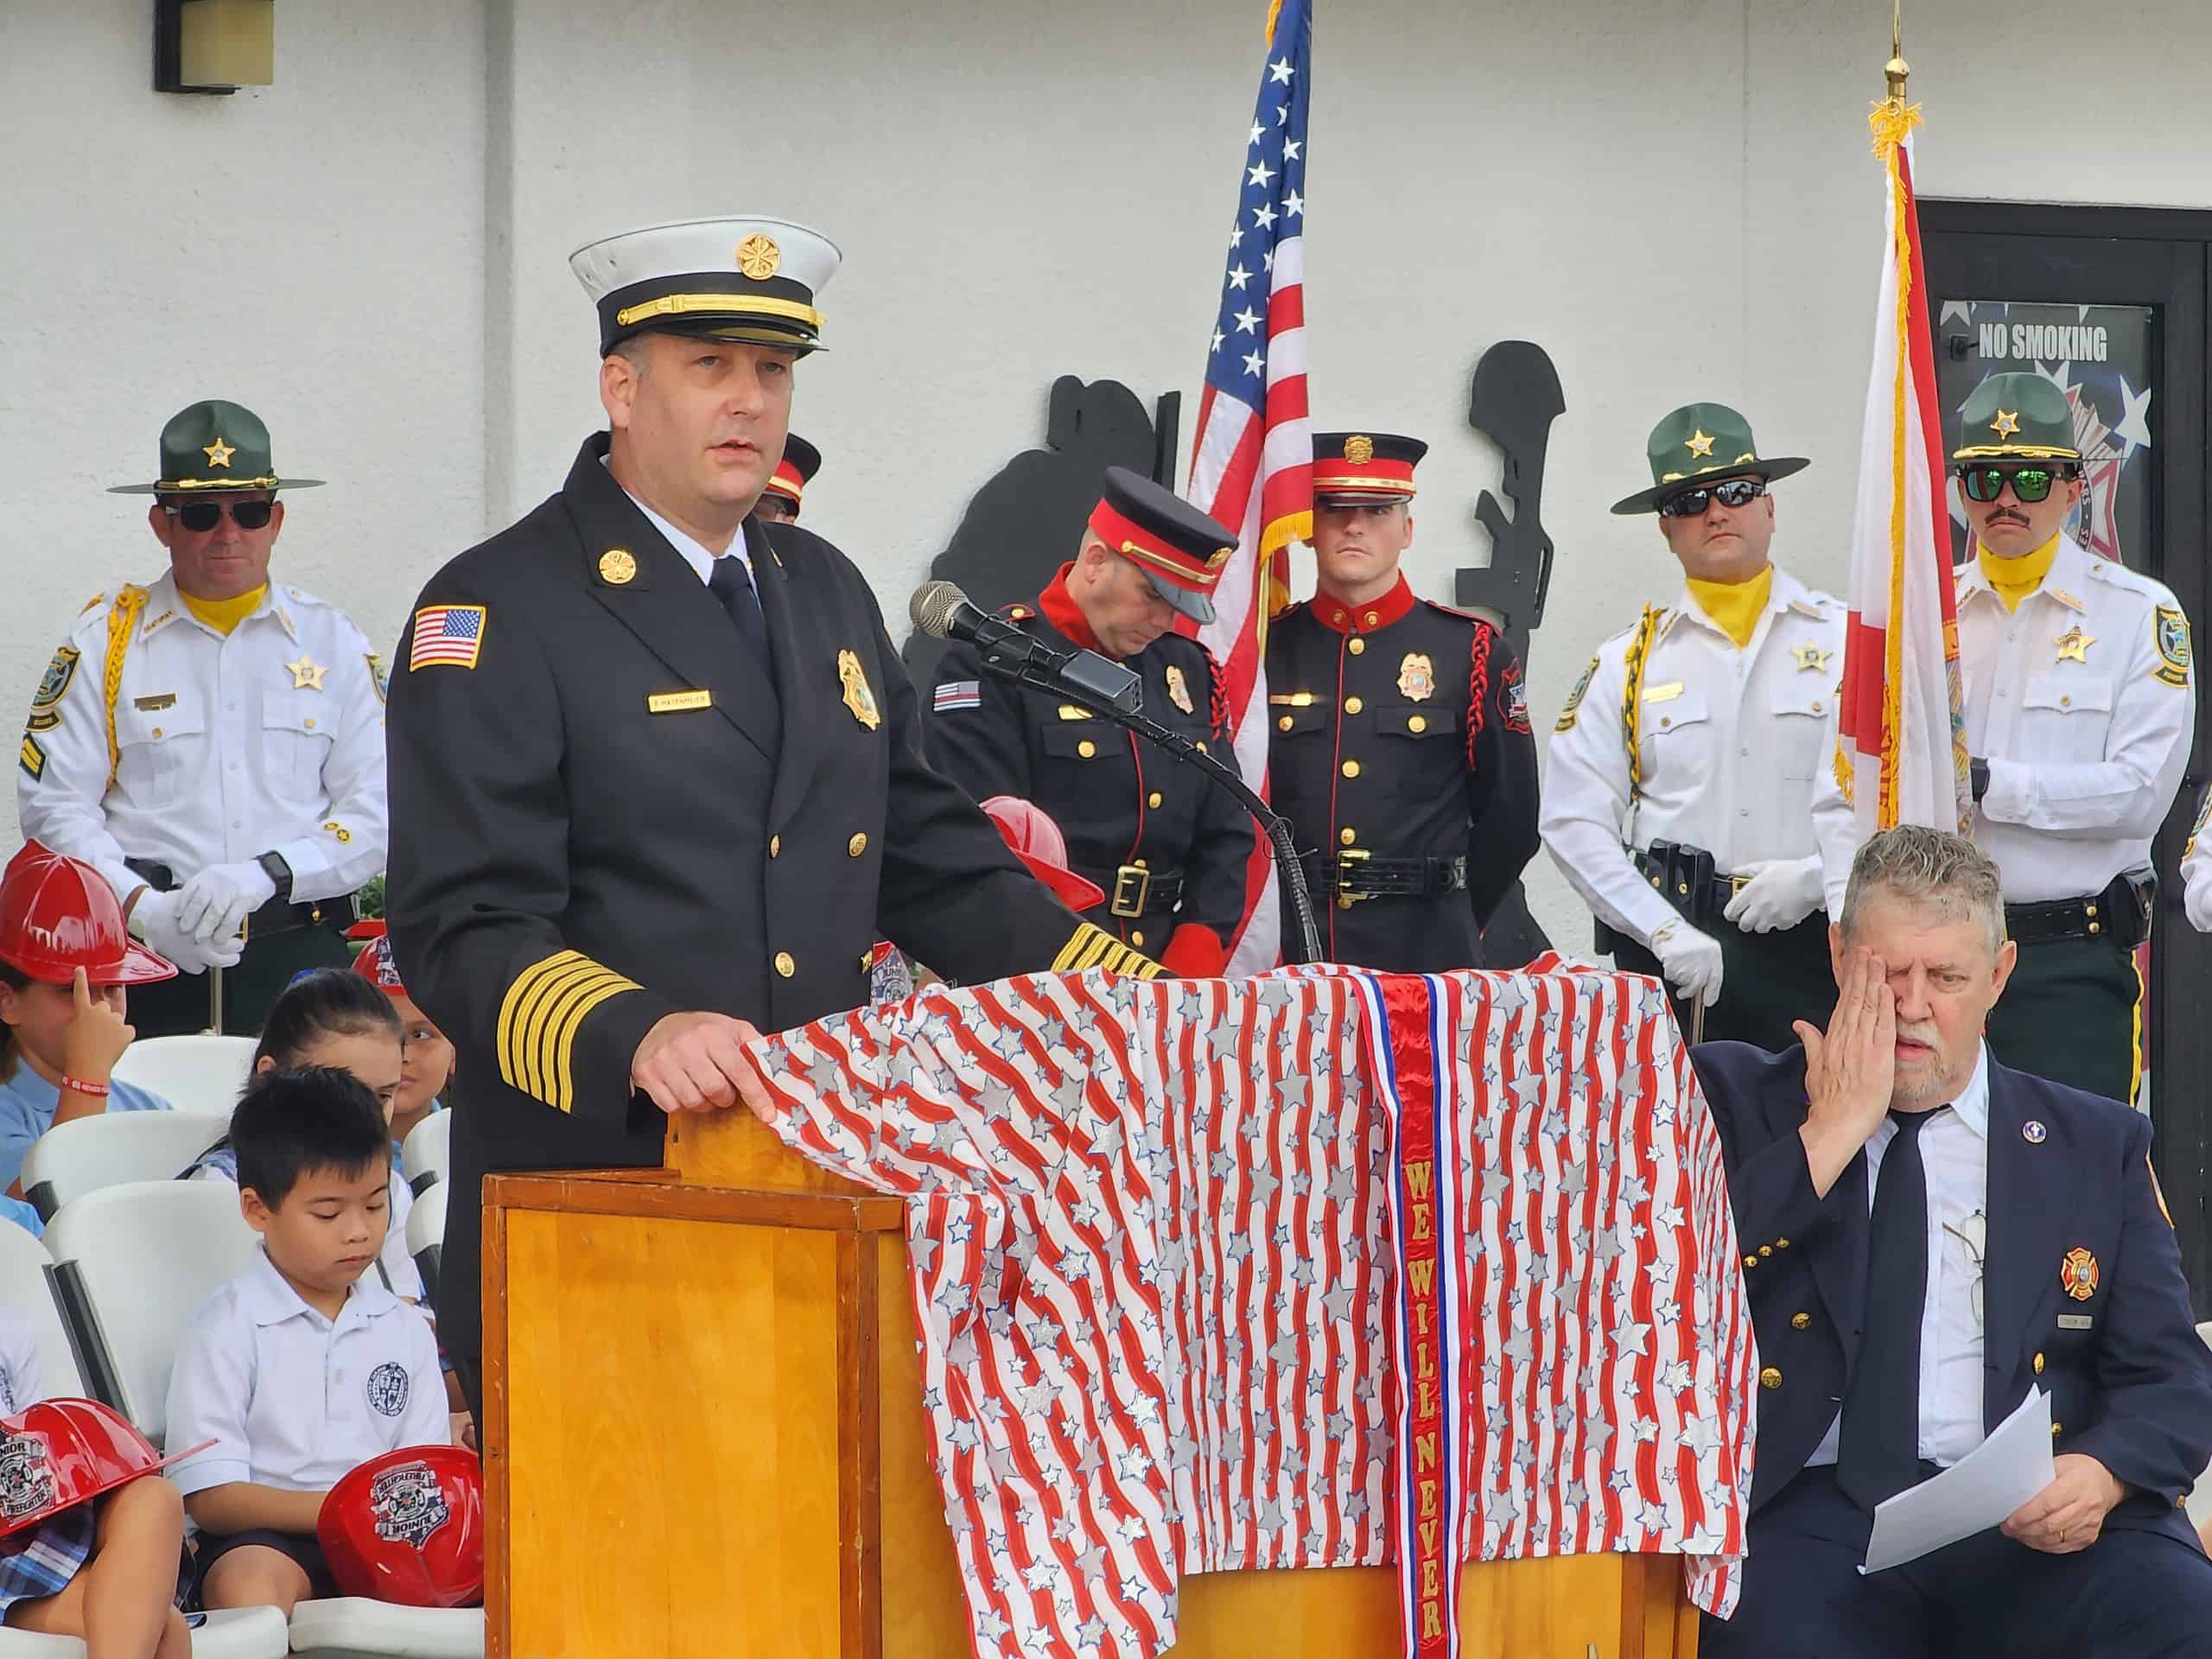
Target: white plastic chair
241	1633
347	1627
193	1074
135	1262
28	1288
427	1152
426	1237
87	1153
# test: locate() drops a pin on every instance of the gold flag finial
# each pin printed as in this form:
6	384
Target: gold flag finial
1897	68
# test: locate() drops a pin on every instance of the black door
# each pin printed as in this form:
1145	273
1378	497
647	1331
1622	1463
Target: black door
2111	302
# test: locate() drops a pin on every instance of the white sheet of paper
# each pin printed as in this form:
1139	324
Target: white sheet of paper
1978	1491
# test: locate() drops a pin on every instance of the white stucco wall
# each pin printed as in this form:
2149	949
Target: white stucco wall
1675	198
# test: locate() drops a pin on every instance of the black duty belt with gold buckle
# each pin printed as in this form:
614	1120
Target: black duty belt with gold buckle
277	916
2121	914
1352	875
1685	878
1139	892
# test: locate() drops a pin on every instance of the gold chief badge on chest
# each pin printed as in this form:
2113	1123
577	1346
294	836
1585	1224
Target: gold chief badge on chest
1178	692
1416	676
2077	1273
858	697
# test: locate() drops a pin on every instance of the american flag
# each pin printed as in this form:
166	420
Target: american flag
447	633
1901	752
1252	462
1157	1281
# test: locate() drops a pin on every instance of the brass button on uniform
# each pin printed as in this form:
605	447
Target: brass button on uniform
1353	705
309	722
1352	768
1283	725
784	965
1140	863
775	845
1766	1250
1155	798
1086	749
1344	901
1355	646
157	731
1416	723
1770	1378
856	846
868	961
1801	1321
1373	617
2057	1429
1751	1260
1347	836
1781	1243
1136	939
2038	1364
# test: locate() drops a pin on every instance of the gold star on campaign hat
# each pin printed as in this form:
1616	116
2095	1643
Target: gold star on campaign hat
746	279
215	446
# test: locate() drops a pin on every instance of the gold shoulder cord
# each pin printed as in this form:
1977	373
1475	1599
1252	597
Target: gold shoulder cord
1639	653
129	601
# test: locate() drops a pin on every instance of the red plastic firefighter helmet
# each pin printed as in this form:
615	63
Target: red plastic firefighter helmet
1037	840
58	914
59	1453
375	965
408	1527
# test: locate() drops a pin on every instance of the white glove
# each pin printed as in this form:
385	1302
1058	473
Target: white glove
213	903
1691	960
1781	892
154	918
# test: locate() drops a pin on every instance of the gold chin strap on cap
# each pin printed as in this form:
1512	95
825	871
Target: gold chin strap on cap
122	621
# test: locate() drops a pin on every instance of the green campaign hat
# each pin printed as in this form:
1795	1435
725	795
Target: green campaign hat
215	446
2021	417
1703	440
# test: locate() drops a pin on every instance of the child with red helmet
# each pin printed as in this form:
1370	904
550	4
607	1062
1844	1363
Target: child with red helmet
426	1054
304	1366
65	961
88	1548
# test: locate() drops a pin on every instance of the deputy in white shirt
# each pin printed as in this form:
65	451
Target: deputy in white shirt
2079	713
1677	799
213	743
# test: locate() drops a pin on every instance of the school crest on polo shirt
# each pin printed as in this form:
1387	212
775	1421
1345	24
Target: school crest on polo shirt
407	1504
388	1388
25	1478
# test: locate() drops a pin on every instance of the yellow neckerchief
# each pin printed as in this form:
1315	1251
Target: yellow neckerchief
1735	606
2013	580
223	615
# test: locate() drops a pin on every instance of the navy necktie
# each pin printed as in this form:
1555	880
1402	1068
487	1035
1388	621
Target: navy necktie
1879	1455
732	584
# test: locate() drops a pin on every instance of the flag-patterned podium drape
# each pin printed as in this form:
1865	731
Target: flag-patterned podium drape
1155	1274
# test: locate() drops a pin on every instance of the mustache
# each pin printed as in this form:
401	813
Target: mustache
1925	1034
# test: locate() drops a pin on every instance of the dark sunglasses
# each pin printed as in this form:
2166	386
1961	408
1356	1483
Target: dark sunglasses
200	517
1736	492
2030	484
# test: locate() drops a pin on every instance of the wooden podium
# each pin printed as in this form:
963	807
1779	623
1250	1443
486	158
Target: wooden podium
704	1436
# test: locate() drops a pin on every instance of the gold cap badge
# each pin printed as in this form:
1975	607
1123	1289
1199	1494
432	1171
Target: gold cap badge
1699	444
1416	676
219	453
758	256
617	565
1359	449
2006	423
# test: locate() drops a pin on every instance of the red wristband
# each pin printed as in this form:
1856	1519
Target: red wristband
84	1088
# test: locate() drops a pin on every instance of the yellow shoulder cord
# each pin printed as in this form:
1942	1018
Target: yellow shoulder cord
1639	653
121	621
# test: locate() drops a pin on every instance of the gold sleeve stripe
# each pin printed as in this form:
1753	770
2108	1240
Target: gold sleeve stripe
1094	947
539	1018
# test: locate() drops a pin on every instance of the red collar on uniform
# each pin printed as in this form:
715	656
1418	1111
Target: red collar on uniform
1059	607
1333	613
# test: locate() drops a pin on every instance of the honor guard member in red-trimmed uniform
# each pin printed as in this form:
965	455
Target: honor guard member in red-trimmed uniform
1679	796
212	742
1168	847
787	483
2079	715
1400	750
656	771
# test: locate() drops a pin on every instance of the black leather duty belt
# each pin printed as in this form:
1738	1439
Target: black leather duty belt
1352	876
2121	914
1139	892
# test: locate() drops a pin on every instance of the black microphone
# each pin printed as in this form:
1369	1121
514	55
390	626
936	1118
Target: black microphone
940	610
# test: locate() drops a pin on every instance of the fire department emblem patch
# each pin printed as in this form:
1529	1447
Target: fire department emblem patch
2077	1273
409	1504
25	1478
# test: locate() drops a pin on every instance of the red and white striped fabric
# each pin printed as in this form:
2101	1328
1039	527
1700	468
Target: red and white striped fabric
1901	756
1150	1230
1252	460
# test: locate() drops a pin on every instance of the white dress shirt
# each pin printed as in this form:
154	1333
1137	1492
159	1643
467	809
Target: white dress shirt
293	1400
19	1384
696	553
2080	702
1729	740
1954	1154
269	739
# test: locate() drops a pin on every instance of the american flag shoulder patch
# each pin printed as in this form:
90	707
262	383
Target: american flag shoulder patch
958	694
451	634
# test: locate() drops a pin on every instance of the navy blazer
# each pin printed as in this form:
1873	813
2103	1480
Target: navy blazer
2130	1381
